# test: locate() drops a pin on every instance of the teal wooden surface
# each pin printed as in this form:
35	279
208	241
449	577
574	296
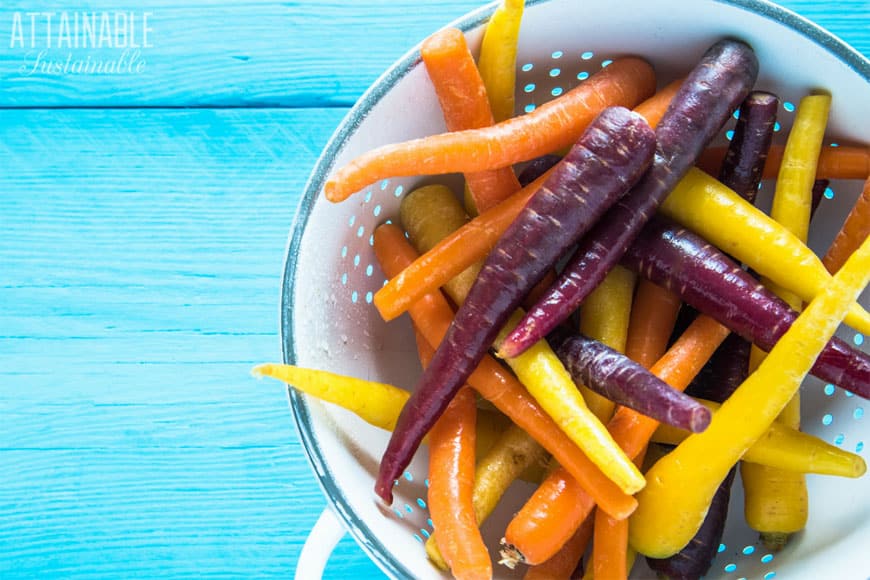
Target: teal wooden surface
141	247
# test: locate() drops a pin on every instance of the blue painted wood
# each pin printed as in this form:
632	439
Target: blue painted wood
261	53
140	258
210	53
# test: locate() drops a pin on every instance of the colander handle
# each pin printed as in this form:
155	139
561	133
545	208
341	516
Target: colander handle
321	541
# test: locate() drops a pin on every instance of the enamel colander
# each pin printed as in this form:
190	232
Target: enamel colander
329	322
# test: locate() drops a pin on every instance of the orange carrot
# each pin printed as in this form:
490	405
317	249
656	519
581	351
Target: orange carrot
451	479
432	316
834	162
533	535
653	315
465	105
475	240
626	81
609	547
854	231
562	565
544	523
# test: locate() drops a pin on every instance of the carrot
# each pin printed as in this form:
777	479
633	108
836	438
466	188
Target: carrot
552	386
452	255
513	455
627	383
464	102
451	478
537	167
686	264
695	559
559	123
854	231
702	204
711	92
653	315
609	547
610	157
843	162
559	506
432	316
604	317
534	535
375	403
429	214
744	159
654	108
681	485
470	243
498	57
784	448
562	565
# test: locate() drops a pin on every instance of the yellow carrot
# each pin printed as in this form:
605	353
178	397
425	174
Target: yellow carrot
776	502
784	448
541	371
498	57
378	404
704	205
681	485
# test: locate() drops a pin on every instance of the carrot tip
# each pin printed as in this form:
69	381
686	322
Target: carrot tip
332	191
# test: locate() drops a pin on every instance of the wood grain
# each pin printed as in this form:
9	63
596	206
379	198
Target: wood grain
227	53
141	254
262	53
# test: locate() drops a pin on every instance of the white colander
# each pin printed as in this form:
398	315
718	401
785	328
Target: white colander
328	320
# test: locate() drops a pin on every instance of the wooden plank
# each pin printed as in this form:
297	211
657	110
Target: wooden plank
216	52
262	53
141	257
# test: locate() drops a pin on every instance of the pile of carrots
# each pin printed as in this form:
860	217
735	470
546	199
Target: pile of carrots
633	423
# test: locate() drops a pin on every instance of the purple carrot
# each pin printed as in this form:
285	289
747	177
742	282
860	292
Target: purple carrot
706	99
606	161
744	161
707	279
724	372
625	382
694	560
536	168
819	188
741	171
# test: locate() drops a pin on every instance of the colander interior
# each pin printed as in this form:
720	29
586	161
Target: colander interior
331	274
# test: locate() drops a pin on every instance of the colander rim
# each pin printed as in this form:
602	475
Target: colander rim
361	532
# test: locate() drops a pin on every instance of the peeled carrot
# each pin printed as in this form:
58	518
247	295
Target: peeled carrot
653	314
536	533
451	479
681	485
609	547
610	156
562	565
559	506
843	162
712	91
784	448
559	123
452	255
432	316
464	102
498	57
473	241
732	224
854	231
